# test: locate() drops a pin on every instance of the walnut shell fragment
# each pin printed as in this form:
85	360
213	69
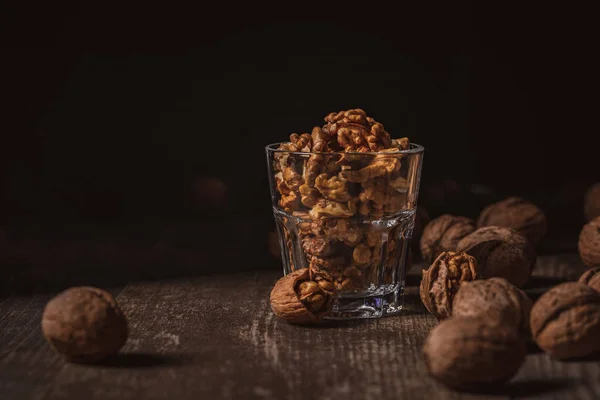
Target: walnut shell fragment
442	234
303	297
591	278
591	207
494	299
473	354
589	243
442	280
84	324
501	252
565	321
516	213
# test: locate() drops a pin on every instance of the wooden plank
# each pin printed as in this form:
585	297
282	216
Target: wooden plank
215	337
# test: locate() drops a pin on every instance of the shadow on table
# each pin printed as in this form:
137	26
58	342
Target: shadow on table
145	360
589	358
532	347
533	387
525	388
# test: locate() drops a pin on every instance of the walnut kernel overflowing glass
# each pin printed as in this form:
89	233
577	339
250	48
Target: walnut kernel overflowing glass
344	200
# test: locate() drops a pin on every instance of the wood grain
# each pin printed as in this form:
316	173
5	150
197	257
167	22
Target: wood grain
216	337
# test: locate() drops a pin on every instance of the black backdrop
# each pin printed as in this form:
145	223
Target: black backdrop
116	115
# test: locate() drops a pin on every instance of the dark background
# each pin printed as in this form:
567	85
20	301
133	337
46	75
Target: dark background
133	136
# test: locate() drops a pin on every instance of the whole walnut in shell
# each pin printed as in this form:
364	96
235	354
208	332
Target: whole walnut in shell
442	234
589	243
500	252
496	300
473	354
442	280
84	324
518	214
303	296
591	278
591	206
565	321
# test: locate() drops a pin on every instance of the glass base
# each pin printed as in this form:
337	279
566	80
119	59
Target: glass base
371	306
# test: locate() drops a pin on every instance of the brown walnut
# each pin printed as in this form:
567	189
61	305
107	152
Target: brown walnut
591	278
496	300
591	206
303	296
84	324
442	280
473	354
442	234
589	243
565	321
501	252
518	214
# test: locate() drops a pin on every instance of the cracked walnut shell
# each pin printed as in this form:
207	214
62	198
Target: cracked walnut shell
496	300
442	280
472	353
565	321
591	278
442	234
589	243
518	214
303	296
84	324
500	252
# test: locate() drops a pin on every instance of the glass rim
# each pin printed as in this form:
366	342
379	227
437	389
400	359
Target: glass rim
414	148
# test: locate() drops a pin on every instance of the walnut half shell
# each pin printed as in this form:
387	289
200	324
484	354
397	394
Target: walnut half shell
303	297
442	280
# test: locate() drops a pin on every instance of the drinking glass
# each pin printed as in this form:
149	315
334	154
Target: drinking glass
351	215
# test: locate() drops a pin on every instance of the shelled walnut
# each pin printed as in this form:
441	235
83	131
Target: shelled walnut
303	296
565	321
441	282
501	252
443	233
84	324
589	243
591	206
494	299
591	278
473	353
516	213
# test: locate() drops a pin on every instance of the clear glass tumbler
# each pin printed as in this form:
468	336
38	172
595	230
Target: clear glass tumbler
351	215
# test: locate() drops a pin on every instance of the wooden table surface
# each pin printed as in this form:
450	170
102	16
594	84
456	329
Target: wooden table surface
216	338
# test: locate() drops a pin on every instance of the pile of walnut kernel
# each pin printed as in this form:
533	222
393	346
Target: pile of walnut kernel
334	184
